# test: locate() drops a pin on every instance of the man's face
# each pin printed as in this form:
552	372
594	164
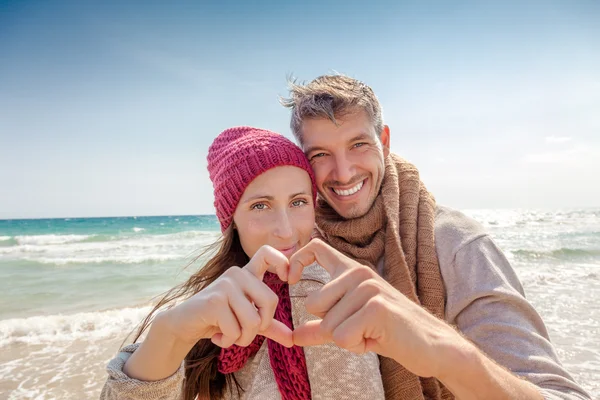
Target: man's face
348	160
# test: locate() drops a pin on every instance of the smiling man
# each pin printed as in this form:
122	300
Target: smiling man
422	285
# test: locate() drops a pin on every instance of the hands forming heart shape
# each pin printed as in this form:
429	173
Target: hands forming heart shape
358	310
239	305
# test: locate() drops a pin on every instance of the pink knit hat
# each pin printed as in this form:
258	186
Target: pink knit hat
240	154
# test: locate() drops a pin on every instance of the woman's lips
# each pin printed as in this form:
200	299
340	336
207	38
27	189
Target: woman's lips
288	251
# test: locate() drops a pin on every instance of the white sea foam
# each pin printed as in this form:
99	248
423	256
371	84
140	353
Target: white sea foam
66	249
42	240
4	238
136	229
116	259
86	326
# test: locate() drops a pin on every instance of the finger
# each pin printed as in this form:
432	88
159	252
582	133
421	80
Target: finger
229	327
357	333
315	251
247	317
342	310
280	333
268	259
355	279
310	334
320	301
261	295
363	347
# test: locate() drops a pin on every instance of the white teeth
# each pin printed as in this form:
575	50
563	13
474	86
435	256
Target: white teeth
349	191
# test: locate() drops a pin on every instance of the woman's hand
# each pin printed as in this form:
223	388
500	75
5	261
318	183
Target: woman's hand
236	307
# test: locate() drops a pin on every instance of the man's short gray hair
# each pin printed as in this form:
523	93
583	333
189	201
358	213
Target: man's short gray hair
331	96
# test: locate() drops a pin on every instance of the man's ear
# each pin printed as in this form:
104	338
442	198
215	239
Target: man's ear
385	140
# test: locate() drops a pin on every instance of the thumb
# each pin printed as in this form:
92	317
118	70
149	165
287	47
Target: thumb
309	334
268	259
280	333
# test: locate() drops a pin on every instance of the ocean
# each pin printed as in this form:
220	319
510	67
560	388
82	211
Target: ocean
72	289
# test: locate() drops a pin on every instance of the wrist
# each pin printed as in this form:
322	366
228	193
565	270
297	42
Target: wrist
164	329
457	359
159	355
469	374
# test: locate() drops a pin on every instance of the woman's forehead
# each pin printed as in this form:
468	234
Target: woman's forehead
283	181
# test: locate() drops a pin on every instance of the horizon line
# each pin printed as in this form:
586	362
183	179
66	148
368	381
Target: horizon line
214	215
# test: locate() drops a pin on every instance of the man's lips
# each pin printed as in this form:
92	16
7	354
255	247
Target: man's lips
348	192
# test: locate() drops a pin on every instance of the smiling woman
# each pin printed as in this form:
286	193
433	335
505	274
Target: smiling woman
231	333
276	209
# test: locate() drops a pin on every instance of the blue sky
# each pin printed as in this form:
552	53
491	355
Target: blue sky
109	109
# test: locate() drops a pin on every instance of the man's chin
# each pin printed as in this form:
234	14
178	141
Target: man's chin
346	211
350	211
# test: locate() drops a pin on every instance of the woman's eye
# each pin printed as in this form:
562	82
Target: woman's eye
318	155
259	206
298	203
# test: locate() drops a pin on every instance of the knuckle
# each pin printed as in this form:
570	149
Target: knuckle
357	349
272	298
265	323
327	327
374	305
360	273
246	275
215	299
319	244
340	339
264	250
228	284
232	271
369	286
244	342
235	336
254	322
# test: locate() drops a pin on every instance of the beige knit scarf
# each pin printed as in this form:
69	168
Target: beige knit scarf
400	227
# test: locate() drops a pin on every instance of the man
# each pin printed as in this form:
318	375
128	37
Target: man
419	284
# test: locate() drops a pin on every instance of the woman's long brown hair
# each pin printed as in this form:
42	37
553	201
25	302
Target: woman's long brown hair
202	379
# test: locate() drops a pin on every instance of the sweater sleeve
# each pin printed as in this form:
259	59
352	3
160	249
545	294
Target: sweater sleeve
119	386
486	302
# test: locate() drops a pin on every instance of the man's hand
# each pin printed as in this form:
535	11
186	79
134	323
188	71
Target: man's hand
361	312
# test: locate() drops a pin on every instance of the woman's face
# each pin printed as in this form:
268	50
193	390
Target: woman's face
276	209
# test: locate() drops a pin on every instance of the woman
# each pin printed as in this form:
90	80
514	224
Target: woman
212	343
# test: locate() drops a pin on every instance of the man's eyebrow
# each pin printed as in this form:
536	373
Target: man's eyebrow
312	149
360	136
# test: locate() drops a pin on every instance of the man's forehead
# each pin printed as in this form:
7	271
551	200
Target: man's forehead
322	132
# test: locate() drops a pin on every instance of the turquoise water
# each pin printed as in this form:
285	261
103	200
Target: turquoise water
50	266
